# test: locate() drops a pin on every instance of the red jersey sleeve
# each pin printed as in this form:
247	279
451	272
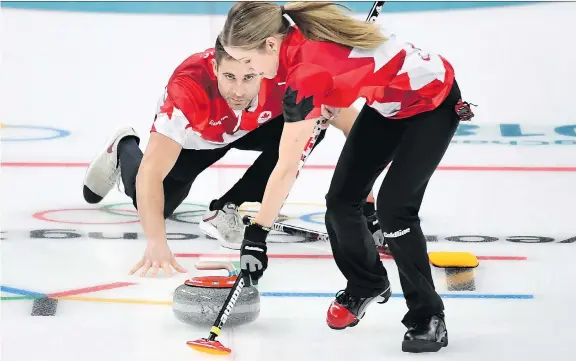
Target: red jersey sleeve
184	107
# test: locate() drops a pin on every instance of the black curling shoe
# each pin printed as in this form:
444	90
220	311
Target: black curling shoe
426	335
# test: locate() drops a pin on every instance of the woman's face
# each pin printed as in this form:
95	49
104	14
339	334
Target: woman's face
263	61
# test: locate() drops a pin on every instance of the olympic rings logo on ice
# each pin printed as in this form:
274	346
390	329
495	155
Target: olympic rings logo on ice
30	133
190	213
117	213
123	214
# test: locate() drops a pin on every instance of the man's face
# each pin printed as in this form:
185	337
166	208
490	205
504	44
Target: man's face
237	83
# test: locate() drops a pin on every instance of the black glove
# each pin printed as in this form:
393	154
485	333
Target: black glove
253	258
374	228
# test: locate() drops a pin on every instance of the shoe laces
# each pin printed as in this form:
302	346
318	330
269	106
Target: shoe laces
344	298
113	179
232	216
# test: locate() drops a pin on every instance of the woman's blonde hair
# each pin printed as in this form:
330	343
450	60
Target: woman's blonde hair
249	23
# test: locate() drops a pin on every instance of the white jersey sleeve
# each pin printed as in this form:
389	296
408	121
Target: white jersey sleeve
170	120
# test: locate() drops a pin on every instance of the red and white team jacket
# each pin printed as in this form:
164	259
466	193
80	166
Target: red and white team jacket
397	79
193	113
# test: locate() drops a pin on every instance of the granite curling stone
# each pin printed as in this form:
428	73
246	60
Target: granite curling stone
199	300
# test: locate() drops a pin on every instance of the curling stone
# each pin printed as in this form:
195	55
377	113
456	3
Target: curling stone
199	300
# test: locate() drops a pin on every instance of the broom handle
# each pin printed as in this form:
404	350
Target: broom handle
227	307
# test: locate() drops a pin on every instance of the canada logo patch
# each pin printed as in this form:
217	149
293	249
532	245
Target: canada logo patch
264	116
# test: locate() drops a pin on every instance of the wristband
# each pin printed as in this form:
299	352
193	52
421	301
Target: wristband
256	233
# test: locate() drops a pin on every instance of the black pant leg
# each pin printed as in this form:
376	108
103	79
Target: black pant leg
422	147
130	157
178	182
251	187
188	166
368	150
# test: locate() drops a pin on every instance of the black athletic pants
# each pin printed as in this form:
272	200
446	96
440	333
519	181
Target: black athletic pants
416	146
190	163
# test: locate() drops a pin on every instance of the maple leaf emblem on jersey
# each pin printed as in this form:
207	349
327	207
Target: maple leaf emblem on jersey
167	108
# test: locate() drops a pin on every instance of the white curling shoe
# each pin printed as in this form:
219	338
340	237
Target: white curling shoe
104	171
225	225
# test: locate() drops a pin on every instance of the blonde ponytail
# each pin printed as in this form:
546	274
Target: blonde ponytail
249	23
326	22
